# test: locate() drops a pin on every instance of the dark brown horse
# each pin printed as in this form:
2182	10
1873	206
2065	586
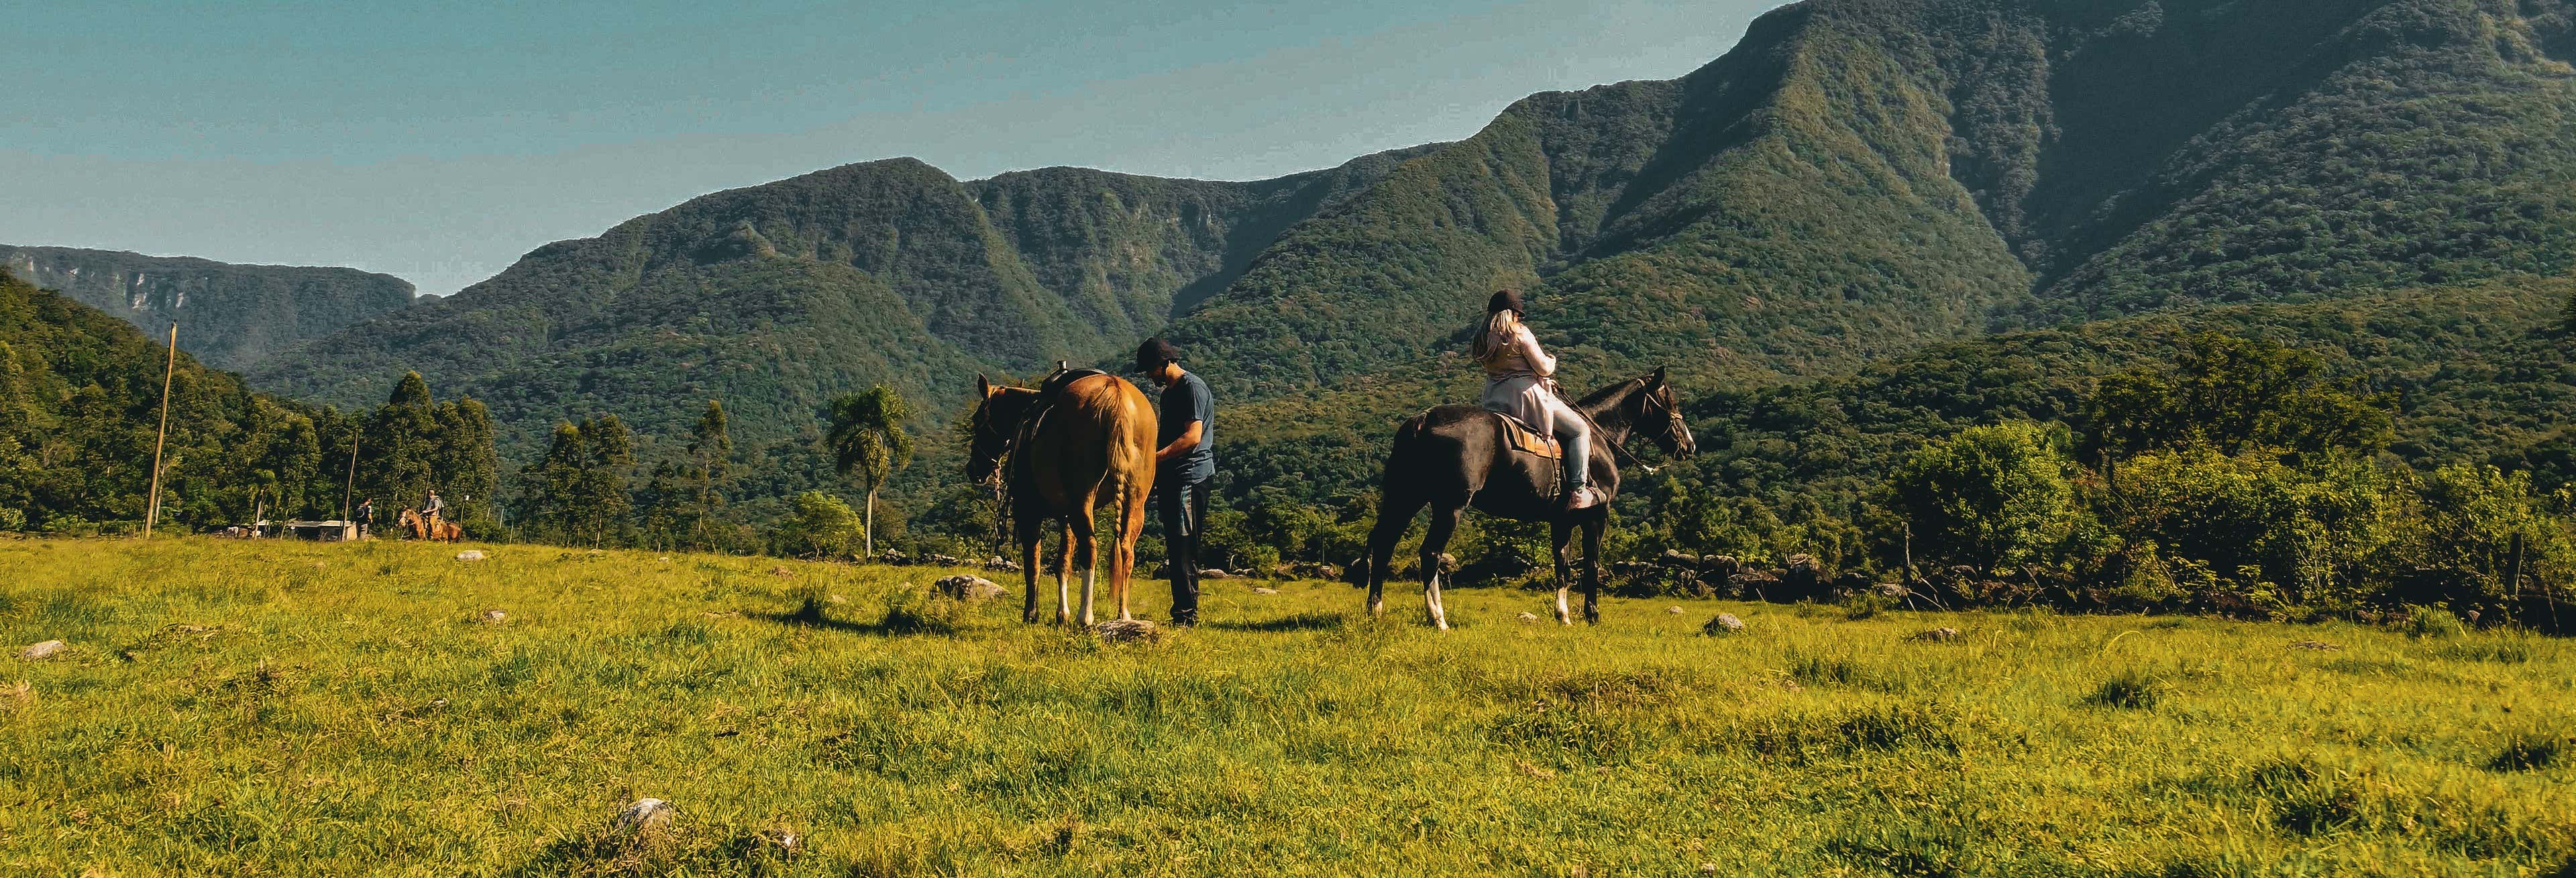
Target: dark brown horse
1457	456
1090	441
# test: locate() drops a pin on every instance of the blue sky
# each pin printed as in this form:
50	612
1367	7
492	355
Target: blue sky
438	141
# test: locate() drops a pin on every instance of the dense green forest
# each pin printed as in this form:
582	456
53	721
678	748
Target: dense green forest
80	413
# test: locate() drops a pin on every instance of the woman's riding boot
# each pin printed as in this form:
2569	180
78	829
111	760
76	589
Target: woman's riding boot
1581	497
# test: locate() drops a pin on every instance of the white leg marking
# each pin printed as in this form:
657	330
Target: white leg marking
1088	573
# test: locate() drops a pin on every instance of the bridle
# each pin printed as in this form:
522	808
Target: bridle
981	426
1647	408
1674	429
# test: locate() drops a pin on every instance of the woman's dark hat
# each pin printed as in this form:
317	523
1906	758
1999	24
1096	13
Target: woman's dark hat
1505	300
1154	353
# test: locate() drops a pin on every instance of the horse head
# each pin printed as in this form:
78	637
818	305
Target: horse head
995	426
1657	413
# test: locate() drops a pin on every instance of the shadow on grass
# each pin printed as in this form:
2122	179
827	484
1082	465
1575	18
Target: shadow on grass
1299	622
811	616
897	621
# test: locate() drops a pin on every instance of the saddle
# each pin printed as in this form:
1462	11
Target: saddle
1050	392
1524	440
1519	438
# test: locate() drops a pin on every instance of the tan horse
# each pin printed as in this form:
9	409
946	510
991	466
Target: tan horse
1093	444
423	529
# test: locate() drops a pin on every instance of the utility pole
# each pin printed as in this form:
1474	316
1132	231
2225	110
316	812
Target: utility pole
152	509
352	487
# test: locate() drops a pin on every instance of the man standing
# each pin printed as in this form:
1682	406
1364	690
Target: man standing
367	518
1184	461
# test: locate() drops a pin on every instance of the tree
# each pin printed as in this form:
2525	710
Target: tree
2232	394
463	462
399	456
1996	497
577	491
2488	544
818	525
867	440
710	448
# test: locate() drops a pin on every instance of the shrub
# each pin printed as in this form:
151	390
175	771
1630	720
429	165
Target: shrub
818	525
1990	497
2432	623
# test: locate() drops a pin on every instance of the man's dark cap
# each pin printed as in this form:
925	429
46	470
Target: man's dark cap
1154	353
1505	300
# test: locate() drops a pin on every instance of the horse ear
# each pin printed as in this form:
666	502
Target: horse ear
983	386
1656	380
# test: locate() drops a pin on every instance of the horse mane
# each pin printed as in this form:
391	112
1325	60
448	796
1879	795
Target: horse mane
1605	398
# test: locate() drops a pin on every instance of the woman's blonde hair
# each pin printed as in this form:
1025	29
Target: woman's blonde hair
1495	341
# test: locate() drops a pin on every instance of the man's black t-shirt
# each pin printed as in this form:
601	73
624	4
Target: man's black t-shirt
1185	401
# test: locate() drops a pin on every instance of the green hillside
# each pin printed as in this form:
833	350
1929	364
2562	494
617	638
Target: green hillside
231	316
80	396
2471	374
1856	180
776	296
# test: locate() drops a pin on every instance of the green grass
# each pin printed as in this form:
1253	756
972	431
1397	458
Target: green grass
235	708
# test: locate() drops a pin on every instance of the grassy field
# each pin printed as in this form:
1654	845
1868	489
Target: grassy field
304	709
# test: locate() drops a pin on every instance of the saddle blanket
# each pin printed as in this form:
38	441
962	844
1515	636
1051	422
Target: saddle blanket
1520	438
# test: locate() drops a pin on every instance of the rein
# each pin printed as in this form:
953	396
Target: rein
1619	453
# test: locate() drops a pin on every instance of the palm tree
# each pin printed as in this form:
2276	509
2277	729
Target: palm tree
867	440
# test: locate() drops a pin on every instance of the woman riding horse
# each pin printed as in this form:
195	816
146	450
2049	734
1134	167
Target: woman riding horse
1520	381
1453	457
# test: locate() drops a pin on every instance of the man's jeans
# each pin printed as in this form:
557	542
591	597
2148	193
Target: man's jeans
1183	508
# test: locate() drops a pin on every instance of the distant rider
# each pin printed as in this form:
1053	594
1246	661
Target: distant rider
1519	382
1184	459
432	508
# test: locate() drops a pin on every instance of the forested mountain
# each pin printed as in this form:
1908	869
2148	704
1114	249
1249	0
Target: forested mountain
1855	180
80	415
775	296
231	316
1858	177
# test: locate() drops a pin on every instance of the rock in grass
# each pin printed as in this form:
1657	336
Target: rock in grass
646	815
968	588
781	570
494	617
1676	611
1529	617
1936	635
1125	630
470	555
1264	590
43	651
1723	625
1213	573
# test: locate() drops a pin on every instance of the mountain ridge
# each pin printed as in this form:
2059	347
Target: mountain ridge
1855	179
237	314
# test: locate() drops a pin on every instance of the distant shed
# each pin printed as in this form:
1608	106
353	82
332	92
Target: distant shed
324	531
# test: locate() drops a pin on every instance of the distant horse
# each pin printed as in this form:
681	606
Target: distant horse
1081	440
1456	456
441	530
